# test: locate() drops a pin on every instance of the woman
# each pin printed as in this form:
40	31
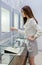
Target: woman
31	30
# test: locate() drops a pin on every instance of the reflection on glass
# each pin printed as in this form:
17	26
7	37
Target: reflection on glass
16	20
5	20
6	59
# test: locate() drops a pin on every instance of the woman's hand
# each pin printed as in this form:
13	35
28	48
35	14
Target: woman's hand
31	38
12	28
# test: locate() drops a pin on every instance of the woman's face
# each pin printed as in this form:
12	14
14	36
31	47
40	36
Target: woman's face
23	14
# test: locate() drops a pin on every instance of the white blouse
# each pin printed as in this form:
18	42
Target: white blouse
31	28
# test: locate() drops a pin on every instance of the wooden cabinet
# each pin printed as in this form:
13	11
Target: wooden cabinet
20	60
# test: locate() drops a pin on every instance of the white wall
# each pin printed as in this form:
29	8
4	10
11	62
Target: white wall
13	3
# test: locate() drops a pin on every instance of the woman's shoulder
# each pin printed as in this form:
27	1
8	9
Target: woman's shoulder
32	21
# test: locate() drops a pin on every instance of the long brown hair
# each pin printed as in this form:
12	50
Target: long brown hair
27	10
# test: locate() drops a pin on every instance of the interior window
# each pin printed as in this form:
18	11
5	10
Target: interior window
5	20
16	20
21	22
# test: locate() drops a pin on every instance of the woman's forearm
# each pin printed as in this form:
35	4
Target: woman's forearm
18	30
14	29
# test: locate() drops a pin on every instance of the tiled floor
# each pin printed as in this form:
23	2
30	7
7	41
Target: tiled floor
38	59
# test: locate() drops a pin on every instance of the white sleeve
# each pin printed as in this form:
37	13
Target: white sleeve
39	31
21	31
37	28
